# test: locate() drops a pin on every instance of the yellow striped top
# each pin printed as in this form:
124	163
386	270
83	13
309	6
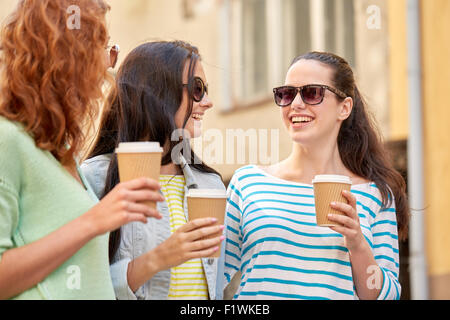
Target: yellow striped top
188	280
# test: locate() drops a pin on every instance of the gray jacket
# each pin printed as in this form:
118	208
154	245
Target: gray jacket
138	238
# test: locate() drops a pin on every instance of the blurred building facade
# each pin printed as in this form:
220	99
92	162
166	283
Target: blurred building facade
247	47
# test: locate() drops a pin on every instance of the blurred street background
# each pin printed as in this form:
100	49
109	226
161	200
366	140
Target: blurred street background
247	47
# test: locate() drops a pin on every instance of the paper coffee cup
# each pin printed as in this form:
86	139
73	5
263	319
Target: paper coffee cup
328	188
139	159
203	203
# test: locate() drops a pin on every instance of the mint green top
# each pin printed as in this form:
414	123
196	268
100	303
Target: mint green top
38	196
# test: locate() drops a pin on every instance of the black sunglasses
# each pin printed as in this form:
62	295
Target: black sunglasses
196	88
311	94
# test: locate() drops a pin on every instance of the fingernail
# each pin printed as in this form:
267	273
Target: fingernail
222	227
216	248
330	215
333	203
222	238
213	219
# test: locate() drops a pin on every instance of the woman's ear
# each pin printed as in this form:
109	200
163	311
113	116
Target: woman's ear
346	108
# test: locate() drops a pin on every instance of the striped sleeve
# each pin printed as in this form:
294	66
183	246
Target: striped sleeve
233	230
386	252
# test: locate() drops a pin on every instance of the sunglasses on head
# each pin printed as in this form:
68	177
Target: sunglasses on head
196	88
311	94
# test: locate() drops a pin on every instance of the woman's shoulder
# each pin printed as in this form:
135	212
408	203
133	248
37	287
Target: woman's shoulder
368	194
97	164
95	170
251	171
103	158
19	152
208	180
246	170
245	174
12	134
15	142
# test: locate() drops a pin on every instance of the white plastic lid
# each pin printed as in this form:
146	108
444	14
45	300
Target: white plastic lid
207	193
138	147
331	178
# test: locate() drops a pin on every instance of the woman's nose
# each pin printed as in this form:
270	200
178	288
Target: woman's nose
298	102
206	102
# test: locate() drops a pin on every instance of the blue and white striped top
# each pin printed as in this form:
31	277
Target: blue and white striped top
273	239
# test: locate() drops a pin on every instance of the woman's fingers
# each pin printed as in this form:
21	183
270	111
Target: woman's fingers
141	183
346	232
143	209
203	232
348	209
205	244
136	217
203	253
350	197
197	223
342	207
144	195
343	220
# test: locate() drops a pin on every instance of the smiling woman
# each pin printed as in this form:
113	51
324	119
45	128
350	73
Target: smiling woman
161	91
272	235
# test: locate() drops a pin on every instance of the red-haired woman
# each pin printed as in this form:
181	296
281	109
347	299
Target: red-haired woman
53	233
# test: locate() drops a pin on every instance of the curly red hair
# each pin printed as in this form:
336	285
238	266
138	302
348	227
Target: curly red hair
52	73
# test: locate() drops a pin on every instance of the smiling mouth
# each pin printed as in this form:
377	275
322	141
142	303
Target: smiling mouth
198	117
298	120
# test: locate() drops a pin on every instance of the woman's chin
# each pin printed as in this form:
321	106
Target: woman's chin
195	130
300	138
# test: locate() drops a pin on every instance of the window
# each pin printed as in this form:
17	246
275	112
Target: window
249	51
266	35
296	31
254	51
339	28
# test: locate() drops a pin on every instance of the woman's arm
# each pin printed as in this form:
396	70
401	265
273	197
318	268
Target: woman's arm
375	272
364	266
24	267
183	245
366	272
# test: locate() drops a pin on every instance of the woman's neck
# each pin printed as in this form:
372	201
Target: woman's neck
304	163
72	169
171	169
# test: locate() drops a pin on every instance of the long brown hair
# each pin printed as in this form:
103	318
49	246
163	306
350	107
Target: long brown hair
360	144
143	104
53	74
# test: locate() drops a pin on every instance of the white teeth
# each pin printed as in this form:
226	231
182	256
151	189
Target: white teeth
197	117
302	119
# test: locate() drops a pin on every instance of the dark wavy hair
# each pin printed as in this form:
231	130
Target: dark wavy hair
360	144
52	75
143	104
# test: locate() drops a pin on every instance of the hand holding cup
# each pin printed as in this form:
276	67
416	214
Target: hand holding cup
204	203
124	204
198	238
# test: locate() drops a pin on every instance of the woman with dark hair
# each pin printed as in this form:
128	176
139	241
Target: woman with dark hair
53	234
161	95
272	236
